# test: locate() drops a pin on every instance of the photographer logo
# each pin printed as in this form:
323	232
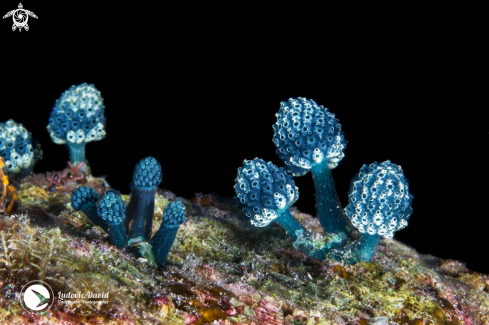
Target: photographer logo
36	296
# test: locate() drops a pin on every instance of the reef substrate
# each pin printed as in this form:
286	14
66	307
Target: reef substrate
220	270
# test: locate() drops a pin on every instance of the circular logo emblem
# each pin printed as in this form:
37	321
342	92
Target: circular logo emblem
36	297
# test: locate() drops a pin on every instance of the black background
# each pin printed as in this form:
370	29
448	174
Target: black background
198	87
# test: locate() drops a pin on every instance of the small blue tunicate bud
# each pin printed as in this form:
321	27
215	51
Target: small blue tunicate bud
111	208
147	173
83	198
174	214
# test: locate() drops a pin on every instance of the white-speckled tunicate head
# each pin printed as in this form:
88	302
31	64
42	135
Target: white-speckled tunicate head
262	189
78	116
379	199
20	153
306	134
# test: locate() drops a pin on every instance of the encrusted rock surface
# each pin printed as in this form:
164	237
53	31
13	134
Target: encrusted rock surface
221	270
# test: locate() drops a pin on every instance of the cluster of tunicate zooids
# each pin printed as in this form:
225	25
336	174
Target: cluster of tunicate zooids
78	118
131	226
309	138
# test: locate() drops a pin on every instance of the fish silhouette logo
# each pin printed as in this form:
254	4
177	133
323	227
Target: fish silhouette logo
36	296
20	17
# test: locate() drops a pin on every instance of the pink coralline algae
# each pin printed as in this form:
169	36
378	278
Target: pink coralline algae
65	181
267	313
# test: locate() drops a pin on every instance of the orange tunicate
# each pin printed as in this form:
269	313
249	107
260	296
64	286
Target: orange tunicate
3	178
11	190
4	187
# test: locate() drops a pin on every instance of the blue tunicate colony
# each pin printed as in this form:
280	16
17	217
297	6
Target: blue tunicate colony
379	204
173	217
265	193
77	118
263	190
112	209
18	150
306	135
147	175
309	138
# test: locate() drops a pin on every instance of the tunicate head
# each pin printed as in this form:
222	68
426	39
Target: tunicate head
20	153
379	199
78	116
174	214
84	198
306	134
147	173
262	189
111	208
